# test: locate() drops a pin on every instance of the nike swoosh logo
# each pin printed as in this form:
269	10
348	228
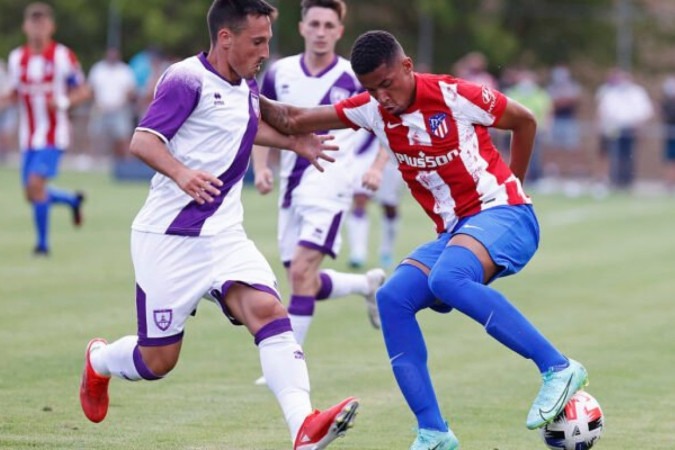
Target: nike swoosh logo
391	126
561	399
472	226
436	447
391	360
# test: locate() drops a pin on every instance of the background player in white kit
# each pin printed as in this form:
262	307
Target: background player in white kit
388	195
188	241
313	204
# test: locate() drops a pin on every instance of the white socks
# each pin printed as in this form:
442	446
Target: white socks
116	358
284	368
357	234
300	326
389	231
347	283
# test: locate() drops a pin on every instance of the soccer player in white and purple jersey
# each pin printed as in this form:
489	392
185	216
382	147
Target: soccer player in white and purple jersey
313	205
188	241
436	126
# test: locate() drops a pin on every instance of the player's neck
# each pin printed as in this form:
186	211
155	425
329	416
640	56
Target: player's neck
317	63
223	68
38	45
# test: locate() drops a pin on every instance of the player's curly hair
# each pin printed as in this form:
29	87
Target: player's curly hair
372	49
336	5
232	14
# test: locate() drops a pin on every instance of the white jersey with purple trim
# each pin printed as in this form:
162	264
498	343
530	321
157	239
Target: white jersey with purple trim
207	124
289	81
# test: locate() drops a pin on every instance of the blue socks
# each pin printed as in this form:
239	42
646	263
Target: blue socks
457	280
402	296
55	195
41	219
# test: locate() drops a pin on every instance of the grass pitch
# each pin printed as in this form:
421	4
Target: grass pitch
601	288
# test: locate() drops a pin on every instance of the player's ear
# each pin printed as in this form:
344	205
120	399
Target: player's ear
225	38
408	65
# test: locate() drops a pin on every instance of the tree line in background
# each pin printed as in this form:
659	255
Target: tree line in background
537	33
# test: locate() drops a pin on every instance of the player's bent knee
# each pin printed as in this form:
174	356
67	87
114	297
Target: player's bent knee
160	360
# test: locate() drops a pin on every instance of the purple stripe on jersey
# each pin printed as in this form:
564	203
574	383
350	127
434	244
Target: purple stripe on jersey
301	305
306	71
190	220
365	145
177	95
143	370
301	164
268	88
326	286
344	81
320	248
273	328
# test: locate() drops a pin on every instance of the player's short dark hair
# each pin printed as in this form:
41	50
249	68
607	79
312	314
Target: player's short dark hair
232	14
372	49
338	6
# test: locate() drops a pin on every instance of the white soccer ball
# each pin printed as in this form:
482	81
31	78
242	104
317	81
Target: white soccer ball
578	427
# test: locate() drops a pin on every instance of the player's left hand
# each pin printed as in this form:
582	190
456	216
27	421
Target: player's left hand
372	179
314	147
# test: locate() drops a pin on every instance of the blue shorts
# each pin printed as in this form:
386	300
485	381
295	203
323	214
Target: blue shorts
44	163
509	233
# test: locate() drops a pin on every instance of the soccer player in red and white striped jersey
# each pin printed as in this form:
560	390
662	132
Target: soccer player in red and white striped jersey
46	81
436	126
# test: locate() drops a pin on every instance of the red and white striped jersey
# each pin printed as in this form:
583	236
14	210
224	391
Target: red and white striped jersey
442	146
38	78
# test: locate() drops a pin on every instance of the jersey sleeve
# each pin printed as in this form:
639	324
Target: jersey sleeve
176	96
74	74
268	88
485	105
355	112
13	71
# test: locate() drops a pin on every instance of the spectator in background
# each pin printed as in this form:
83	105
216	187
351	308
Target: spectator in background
529	93
46	81
473	67
668	118
623	107
114	88
565	95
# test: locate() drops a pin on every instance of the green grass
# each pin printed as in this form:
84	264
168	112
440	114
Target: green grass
601	288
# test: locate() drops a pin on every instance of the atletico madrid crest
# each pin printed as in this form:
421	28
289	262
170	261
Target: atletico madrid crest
438	125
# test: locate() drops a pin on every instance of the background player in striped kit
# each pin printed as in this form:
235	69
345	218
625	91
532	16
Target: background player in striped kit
188	240
312	204
46	81
437	128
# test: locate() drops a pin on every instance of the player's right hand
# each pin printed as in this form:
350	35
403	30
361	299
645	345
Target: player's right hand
264	181
201	186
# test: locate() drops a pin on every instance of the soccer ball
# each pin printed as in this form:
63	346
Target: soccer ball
578	427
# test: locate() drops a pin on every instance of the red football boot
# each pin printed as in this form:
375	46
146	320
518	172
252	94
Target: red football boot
93	389
320	428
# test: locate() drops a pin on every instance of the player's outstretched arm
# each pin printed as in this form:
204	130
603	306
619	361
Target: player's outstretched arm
293	120
307	145
149	148
521	122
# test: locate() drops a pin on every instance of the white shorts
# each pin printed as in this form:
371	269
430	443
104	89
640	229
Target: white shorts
173	273
316	227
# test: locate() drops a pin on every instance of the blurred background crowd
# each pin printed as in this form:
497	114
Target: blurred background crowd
599	76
